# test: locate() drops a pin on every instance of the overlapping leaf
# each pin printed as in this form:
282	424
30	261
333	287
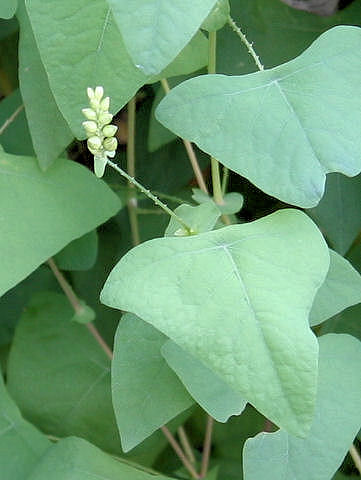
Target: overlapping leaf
75	59
238	299
146	392
43	212
280	128
21	444
8	8
49	131
156	31
336	422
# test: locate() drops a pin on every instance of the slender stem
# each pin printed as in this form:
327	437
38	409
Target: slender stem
73	299
150	195
184	440
244	40
176	447
10	119
225	180
207	446
216	177
355	457
132	202
75	303
189	149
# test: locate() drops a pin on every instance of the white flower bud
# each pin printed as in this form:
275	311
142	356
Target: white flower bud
94	103
110	144
100	162
105	104
110	154
90	93
109	130
98	93
89	113
104	119
90	127
94	144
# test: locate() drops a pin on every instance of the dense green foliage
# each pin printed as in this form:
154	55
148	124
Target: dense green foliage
216	335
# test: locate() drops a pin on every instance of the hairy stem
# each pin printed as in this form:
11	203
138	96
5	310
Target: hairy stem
207	446
355	457
189	149
248	44
150	195
132	202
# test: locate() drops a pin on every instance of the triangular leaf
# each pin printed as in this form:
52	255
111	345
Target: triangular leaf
201	218
317	457
237	298
156	31
146	392
43	212
280	128
209	390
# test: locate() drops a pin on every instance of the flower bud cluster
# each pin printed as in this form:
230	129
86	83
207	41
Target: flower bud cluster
101	140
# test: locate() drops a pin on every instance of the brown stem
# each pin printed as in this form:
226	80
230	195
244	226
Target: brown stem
355	457
207	446
184	440
176	447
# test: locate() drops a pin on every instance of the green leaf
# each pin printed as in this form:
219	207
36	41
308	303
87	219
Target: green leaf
201	218
237	299
339	212
155	32
210	391
233	201
341	289
49	131
42	212
80	254
278	33
98	57
217	17
75	459
146	392
65	370
292	130
21	444
8	8
336	423
16	136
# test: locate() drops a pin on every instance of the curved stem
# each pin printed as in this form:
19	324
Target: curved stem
248	44
189	149
132	202
150	195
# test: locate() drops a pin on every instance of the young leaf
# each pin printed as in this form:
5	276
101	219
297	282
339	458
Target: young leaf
146	392
341	289
21	444
238	299
201	218
49	131
279	128
336	422
339	212
80	254
155	32
8	8
210	391
233	201
75	459
98	57
65	370
43	212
